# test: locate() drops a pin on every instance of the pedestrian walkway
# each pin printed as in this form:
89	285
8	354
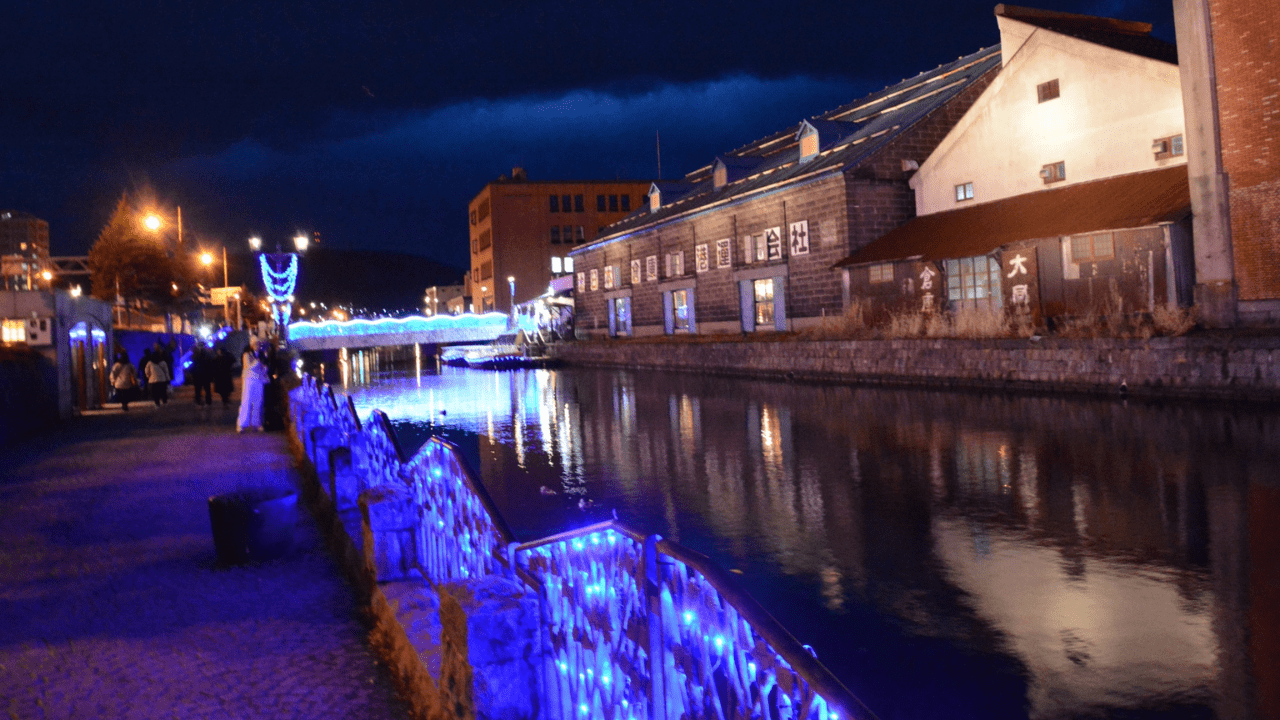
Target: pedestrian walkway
111	602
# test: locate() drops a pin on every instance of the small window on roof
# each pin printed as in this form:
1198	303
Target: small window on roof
1047	91
809	146
964	192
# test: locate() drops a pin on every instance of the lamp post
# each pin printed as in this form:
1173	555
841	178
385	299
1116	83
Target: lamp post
280	277
511	283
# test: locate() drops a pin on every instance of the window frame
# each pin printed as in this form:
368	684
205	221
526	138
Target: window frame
1169	147
1093	256
964	191
1048	90
1054	172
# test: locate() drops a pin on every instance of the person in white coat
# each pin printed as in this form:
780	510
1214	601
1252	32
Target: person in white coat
253	378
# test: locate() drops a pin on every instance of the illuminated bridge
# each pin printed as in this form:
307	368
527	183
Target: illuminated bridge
435	330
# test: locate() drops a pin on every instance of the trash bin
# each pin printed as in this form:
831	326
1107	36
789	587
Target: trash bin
253	525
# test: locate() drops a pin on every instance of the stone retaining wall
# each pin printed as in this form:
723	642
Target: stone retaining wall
1224	367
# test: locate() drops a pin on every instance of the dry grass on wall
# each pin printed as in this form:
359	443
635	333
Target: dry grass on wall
1109	321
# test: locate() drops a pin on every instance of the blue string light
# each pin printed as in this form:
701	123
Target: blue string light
279	283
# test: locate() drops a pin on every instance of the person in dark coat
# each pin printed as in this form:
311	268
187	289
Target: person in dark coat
223	372
202	374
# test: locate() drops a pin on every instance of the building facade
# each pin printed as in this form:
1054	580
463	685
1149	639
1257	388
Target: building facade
1229	54
1062	191
746	243
522	232
24	250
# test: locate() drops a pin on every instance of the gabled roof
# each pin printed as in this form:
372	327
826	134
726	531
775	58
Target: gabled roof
1124	201
879	118
1124	35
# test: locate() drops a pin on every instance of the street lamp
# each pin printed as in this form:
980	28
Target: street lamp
280	277
511	283
154	222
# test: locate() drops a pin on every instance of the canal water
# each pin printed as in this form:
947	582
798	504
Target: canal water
947	555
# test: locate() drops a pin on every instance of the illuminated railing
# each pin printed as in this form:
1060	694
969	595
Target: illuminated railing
633	627
385	326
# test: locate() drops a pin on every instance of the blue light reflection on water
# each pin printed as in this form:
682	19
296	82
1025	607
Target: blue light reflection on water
948	555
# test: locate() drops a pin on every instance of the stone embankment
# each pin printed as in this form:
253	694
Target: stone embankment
1208	366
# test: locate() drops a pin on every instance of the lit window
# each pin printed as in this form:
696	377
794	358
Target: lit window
1047	91
964	192
568	264
881	273
621	316
557	265
764	304
14	331
1092	248
608	277
808	146
1054	172
1167	147
680	311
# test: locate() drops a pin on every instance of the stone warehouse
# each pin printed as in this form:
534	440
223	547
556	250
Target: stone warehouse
1063	189
747	242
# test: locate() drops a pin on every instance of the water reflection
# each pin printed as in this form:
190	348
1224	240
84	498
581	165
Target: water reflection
948	555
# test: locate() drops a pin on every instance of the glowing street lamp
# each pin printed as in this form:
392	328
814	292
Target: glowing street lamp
280	277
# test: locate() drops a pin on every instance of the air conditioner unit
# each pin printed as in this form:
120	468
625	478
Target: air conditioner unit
39	331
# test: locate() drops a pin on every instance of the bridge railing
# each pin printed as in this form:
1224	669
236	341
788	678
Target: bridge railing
632	626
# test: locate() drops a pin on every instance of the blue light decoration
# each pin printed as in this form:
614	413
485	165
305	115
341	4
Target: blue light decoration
631	624
381	326
280	284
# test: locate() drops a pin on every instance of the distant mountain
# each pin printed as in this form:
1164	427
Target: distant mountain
370	279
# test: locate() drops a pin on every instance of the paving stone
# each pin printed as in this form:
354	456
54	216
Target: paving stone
111	601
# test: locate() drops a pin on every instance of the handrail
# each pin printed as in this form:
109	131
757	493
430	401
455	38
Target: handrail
622	598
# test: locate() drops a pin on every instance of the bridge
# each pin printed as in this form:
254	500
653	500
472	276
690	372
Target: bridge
416	329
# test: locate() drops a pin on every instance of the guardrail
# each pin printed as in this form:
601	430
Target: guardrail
632	626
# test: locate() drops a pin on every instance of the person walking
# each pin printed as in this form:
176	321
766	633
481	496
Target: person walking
124	378
158	377
223	370
253	381
202	374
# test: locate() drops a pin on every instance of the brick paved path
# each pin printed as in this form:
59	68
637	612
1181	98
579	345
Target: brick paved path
111	605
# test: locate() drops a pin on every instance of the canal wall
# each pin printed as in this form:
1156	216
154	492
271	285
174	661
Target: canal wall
1217	367
599	621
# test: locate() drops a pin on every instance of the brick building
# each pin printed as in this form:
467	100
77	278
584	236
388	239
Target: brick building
1063	189
1229	51
24	249
524	229
747	242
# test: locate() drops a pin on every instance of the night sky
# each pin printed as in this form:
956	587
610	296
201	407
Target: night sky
375	123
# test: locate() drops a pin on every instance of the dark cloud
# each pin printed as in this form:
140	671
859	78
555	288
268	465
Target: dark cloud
375	122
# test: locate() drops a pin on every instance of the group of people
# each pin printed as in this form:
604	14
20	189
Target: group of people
157	372
211	370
